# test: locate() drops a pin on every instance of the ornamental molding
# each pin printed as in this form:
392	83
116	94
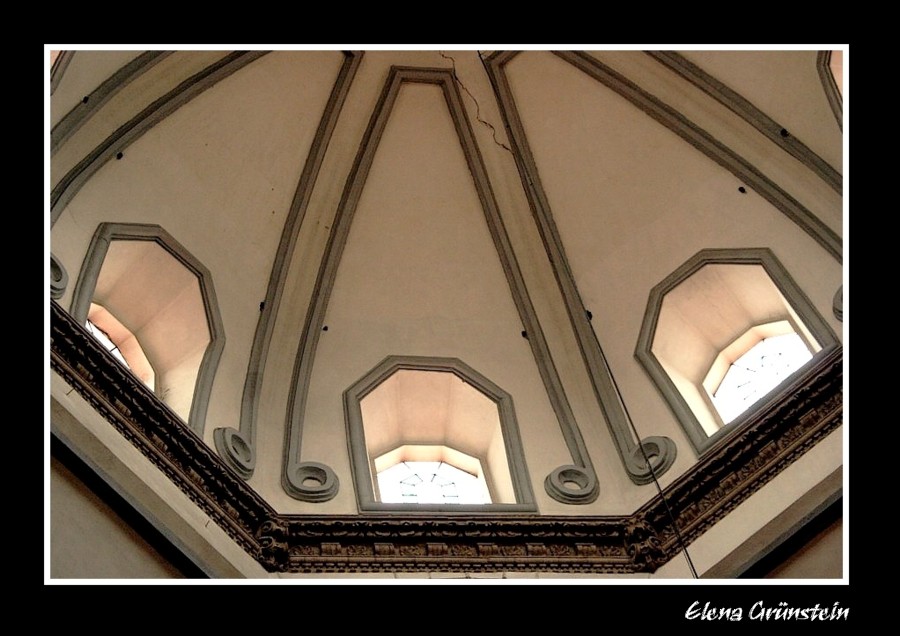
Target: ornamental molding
777	436
297	479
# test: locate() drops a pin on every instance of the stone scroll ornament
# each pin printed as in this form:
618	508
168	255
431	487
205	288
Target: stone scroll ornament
575	483
59	278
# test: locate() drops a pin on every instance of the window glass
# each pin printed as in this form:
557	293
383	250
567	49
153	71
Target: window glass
121	342
103	338
757	372
429	482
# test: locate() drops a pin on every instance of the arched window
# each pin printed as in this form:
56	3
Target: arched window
156	303
432	434
723	334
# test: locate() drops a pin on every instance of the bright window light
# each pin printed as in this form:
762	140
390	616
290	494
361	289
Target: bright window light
757	372
104	339
429	482
120	342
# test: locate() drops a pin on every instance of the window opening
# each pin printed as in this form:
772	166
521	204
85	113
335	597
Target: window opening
103	337
722	333
161	308
422	473
430	482
121	343
757	372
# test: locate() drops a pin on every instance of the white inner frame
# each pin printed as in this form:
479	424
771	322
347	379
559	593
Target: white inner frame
728	404
474	491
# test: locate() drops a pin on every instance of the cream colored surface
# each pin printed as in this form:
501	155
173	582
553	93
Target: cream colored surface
159	301
432	408
420	274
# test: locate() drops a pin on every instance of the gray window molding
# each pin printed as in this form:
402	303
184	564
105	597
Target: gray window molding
581	471
837	304
708	145
238	447
773	131
59	278
67	187
359	452
85	109
58	70
86	284
791	292
829	85
653	455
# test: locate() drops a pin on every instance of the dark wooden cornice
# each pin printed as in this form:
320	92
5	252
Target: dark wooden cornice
641	542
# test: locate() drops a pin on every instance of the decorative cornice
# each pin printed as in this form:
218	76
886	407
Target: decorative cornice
638	543
776	436
154	429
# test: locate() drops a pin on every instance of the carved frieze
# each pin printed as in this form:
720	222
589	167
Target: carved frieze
723	478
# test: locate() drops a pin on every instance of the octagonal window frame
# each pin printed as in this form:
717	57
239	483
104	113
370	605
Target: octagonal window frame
514	472
84	296
798	311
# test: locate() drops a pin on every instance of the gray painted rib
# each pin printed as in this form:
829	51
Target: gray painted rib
84	110
835	99
335	246
751	114
72	182
263	335
711	147
635	457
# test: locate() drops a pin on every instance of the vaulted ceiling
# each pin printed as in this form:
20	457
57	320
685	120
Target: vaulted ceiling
500	208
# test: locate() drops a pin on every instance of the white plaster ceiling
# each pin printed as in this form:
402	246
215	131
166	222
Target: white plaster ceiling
420	273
